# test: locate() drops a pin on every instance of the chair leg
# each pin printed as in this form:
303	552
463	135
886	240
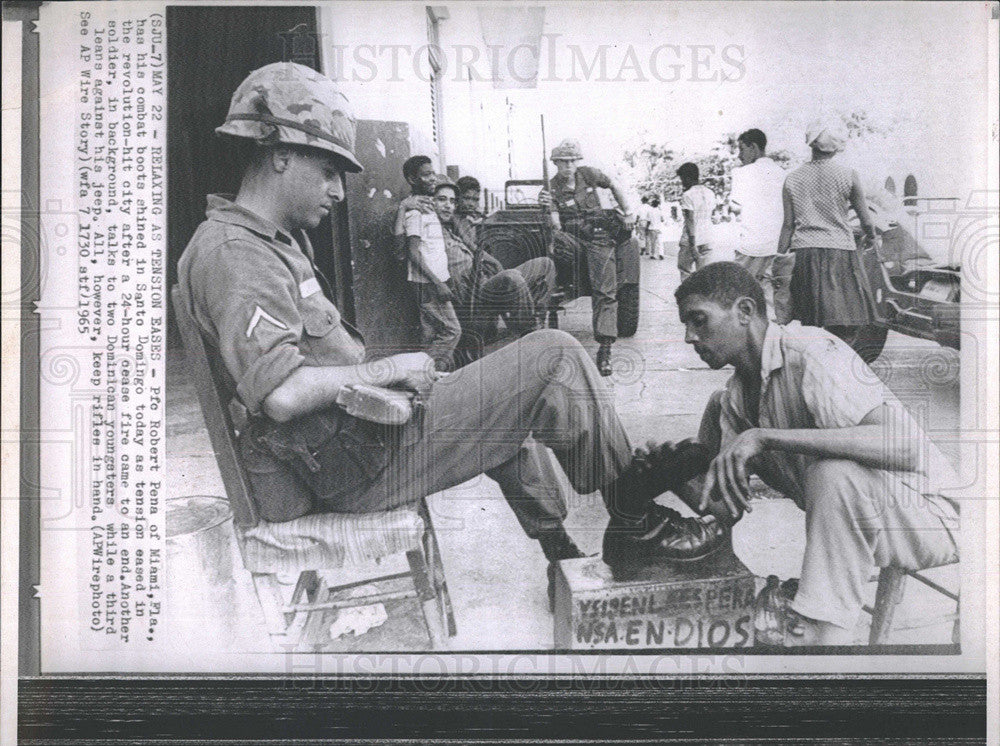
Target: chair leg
314	619
956	628
269	597
426	597
439	583
888	594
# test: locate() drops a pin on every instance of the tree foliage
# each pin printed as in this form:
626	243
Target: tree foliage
654	165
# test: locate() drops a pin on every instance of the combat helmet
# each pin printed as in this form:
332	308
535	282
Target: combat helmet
442	180
293	104
567	150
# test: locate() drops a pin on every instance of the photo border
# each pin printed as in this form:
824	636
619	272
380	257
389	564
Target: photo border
301	709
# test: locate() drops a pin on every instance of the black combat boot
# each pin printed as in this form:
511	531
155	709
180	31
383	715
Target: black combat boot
604	358
640	531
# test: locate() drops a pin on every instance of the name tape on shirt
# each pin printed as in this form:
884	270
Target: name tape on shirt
259	315
308	287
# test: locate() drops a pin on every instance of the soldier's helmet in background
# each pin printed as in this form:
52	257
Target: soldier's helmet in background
288	103
442	180
567	150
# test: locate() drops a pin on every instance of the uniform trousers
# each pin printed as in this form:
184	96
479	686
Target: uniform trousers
602	269
507	415
517	294
857	518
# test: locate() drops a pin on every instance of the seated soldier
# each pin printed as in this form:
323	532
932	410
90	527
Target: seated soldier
248	278
481	289
815	423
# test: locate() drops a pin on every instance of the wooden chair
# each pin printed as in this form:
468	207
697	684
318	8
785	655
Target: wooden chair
889	594
308	545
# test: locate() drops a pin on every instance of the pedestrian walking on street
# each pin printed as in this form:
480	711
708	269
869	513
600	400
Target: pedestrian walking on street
828	286
755	198
697	204
654	226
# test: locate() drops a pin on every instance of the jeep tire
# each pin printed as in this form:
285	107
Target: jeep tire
628	310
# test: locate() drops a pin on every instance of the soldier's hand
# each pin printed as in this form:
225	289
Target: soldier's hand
545	199
629	219
413	371
418	202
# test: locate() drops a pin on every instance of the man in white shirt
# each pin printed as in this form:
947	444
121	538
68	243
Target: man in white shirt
653	217
694	250
755	197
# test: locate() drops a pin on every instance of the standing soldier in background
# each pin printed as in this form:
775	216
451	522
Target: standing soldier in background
575	197
755	199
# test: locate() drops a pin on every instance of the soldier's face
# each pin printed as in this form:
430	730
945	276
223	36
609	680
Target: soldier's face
566	168
314	184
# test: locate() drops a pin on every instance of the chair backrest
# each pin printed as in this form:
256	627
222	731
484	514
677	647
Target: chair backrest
215	394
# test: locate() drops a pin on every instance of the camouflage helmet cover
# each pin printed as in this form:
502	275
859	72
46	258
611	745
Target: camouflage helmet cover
442	180
567	150
290	103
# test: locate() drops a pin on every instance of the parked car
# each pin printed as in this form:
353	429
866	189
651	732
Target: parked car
915	294
521	231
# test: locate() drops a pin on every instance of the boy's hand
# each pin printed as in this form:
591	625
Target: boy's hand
418	202
443	292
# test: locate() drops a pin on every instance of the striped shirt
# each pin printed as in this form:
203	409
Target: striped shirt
810	379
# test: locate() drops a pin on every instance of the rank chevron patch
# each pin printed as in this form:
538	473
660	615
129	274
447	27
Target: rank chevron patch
261	315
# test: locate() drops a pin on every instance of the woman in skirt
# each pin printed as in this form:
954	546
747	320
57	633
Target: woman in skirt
828	286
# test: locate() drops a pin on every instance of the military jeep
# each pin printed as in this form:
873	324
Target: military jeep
521	231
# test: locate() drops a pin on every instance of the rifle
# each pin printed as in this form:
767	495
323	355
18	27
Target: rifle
554	213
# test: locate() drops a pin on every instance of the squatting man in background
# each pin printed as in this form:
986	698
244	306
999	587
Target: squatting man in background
482	291
815	423
249	280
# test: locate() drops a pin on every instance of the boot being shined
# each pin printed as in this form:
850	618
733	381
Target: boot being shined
641	531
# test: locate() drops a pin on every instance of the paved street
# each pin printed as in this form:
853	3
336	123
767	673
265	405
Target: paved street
496	575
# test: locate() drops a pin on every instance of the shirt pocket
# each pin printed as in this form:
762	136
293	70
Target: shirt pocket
319	316
325	341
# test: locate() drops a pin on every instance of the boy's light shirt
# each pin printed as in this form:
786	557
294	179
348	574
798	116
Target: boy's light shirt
428	229
700	200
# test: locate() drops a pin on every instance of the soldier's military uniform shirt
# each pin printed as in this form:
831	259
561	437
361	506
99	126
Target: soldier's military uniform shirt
254	291
582	197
